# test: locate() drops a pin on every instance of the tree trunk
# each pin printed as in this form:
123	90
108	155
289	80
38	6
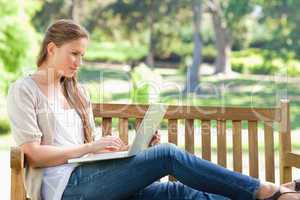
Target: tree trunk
151	51
75	10
192	82
150	57
223	43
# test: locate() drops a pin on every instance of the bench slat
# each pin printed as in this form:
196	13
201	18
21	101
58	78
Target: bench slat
221	143
206	139
172	131
285	143
189	135
269	152
123	129
173	136
253	148
237	146
138	122
106	126
188	112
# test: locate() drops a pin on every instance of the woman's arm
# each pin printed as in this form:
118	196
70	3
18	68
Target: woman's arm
47	155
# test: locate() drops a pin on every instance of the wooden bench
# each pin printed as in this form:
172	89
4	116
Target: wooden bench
219	115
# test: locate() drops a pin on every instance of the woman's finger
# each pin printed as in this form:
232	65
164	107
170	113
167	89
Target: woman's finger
119	140
116	140
111	142
111	148
154	142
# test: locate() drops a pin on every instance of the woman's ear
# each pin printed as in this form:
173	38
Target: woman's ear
51	47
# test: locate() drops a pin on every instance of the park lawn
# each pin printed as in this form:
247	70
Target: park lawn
113	85
241	90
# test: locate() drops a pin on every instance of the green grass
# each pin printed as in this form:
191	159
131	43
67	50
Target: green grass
242	91
88	74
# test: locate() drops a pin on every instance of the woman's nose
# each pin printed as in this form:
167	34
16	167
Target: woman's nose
78	61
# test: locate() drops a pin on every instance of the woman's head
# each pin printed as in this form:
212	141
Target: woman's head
63	46
62	49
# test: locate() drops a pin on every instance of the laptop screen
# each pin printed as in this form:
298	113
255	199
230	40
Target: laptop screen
149	125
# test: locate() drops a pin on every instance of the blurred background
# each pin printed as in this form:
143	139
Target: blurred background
180	52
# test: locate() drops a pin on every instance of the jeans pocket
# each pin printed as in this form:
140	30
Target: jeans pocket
73	197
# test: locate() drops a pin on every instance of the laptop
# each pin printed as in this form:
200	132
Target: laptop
143	136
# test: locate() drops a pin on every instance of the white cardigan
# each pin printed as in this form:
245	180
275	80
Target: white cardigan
32	119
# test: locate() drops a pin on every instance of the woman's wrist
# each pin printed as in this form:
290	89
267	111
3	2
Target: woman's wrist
89	147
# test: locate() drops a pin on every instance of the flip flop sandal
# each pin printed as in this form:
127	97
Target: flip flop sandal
297	185
278	194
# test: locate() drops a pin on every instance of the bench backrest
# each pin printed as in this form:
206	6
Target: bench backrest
190	114
220	115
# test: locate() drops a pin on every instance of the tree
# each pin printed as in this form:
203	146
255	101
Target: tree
58	9
227	17
76	8
193	71
16	49
145	16
282	20
49	11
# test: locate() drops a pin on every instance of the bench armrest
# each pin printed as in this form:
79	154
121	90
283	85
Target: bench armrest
16	158
292	159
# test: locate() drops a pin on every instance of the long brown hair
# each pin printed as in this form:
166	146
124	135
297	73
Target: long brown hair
61	32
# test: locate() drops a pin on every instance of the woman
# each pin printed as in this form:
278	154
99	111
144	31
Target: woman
52	121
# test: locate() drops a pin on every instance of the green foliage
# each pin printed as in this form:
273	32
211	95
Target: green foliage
282	20
5	79
4	126
233	15
259	61
96	93
46	13
244	61
293	68
235	11
209	54
144	85
17	39
140	88
115	51
156	24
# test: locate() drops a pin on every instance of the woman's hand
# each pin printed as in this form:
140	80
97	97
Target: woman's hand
108	144
155	139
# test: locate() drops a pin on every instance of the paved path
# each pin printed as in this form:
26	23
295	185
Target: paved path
4	175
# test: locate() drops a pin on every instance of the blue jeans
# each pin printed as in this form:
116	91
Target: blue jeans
136	178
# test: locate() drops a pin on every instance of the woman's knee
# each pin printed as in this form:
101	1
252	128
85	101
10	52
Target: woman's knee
167	146
167	149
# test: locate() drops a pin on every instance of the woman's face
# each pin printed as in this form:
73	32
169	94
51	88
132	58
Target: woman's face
67	58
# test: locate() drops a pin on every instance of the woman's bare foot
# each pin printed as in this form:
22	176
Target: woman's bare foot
290	185
266	190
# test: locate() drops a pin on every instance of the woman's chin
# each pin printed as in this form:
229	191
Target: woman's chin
70	74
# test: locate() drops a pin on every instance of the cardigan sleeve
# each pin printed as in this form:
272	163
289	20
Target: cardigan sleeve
21	109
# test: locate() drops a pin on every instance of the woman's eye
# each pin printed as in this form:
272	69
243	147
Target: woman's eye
77	54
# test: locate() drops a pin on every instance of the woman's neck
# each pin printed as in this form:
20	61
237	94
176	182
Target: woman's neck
48	76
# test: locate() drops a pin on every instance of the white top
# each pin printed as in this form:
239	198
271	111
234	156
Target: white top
68	131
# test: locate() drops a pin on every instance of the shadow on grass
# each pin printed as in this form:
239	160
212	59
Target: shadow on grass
98	75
